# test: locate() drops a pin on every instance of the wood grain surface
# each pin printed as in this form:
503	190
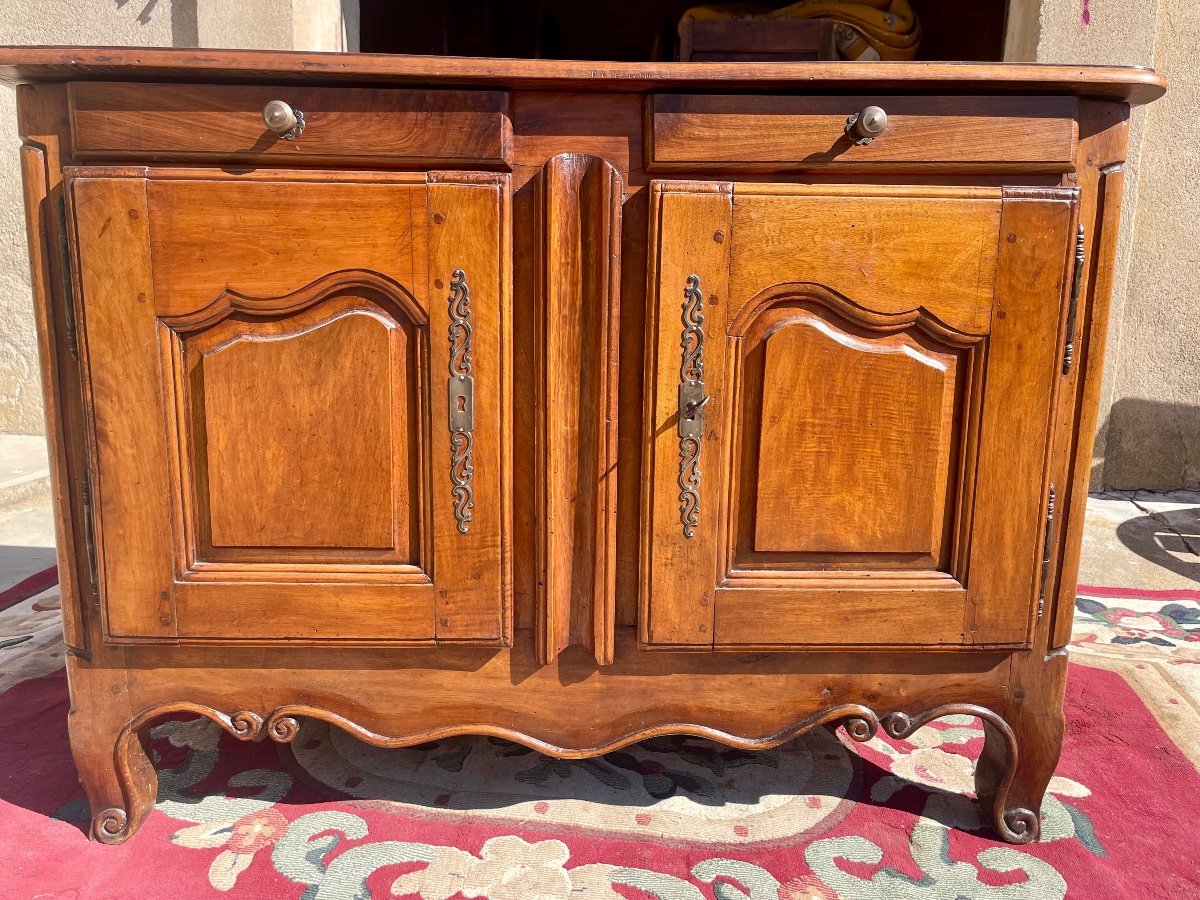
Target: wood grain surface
578	324
247	362
356	126
730	132
1131	84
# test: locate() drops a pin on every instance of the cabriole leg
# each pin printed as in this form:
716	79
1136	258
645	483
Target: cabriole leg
1020	754
113	763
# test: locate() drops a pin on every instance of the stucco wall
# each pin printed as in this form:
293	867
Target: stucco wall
1150	413
45	22
273	24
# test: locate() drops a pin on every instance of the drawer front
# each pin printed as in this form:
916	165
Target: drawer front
763	134
347	125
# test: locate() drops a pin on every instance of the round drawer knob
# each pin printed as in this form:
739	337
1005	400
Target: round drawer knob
866	124
282	119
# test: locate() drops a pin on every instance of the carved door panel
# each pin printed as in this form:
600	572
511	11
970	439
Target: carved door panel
848	395
297	391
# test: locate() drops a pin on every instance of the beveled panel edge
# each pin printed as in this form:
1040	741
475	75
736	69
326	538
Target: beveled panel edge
971	347
304	302
304	298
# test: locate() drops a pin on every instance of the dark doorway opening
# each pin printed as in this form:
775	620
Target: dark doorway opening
636	30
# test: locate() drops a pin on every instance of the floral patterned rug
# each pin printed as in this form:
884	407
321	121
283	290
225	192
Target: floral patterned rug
672	818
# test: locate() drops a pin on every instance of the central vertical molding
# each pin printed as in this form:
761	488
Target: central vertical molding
577	317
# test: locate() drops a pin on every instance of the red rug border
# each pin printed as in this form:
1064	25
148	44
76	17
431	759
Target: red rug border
29	587
1121	593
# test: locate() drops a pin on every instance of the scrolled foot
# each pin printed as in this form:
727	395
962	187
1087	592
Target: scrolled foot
113	760
110	826
114	766
1013	769
1018	826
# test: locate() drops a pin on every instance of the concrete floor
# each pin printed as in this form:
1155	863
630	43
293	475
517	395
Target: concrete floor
26	527
1131	539
1139	539
24	471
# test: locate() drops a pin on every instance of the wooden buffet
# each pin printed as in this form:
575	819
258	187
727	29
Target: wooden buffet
571	403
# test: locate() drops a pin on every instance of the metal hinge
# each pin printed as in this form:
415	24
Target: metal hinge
89	534
64	257
1046	553
1073	307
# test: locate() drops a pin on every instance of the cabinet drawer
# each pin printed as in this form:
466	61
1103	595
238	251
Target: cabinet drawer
341	125
764	133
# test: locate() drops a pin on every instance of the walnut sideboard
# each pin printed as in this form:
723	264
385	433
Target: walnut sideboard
569	403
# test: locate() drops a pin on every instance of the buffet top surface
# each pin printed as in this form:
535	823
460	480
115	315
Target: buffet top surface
1132	84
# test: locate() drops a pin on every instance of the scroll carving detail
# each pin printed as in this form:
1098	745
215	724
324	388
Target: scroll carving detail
1016	825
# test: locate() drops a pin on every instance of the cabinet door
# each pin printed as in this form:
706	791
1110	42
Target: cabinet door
848	401
296	391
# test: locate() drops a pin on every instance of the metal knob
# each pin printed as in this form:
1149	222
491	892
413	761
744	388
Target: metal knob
866	124
282	119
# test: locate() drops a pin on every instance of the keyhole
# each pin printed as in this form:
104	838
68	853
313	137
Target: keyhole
462	403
